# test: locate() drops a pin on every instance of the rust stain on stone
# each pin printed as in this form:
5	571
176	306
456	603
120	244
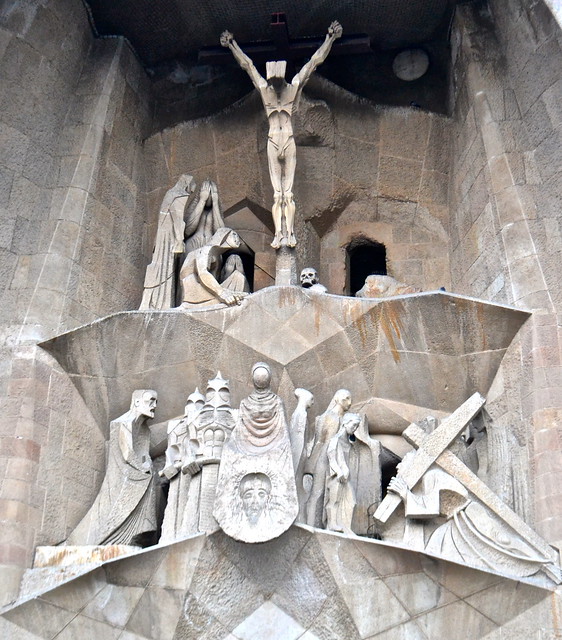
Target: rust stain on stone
54	560
286	297
554	609
391	324
354	313
317	316
108	552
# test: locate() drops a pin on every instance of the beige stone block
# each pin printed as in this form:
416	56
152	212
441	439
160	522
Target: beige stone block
548	461
237	176
268	621
549	507
356	162
437	623
114	605
517	240
231	133
83	627
359	121
373	607
179	564
314	179
500	172
404	133
189	146
418	593
405	631
388	562
434	188
73	205
128	635
75	595
20	469
15	490
399	178
526	277
396	212
9	630
40	618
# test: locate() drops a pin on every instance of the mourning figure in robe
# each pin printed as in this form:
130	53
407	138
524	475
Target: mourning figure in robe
124	511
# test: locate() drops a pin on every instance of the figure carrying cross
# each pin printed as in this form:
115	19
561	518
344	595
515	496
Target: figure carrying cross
279	99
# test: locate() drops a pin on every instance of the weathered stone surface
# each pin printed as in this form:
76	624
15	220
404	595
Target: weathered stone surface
319	584
390	331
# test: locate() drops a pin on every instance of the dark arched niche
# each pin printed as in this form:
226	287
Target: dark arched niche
364	257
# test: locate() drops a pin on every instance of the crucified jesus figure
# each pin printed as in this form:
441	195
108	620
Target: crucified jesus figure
279	99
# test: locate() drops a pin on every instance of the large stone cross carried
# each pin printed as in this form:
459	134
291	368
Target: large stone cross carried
433	449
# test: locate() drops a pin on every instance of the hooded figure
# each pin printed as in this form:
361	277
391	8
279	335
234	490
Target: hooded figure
199	273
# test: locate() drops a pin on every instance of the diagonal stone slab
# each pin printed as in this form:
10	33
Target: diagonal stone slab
418	345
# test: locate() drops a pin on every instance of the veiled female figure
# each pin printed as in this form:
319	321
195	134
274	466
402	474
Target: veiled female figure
340	492
159	283
256	496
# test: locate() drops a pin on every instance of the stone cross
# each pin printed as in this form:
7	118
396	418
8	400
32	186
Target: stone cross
449	462
431	447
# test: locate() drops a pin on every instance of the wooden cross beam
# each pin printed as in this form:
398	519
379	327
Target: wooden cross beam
282	47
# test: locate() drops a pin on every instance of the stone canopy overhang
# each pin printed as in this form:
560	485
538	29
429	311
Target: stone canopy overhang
307	583
398	356
162	30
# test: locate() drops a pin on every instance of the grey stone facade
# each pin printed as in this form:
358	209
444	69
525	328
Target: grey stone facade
470	202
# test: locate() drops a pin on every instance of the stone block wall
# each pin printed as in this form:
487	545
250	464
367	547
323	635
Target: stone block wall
391	183
73	247
506	234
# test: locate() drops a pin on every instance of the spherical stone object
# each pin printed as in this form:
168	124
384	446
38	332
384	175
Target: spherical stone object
410	64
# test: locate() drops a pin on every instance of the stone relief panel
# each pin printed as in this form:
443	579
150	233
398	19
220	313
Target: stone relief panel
256	498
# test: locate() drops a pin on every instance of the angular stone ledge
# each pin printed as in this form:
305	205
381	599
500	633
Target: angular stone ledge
429	349
311	583
64	556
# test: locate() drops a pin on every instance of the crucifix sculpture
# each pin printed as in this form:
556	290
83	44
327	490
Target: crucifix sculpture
280	98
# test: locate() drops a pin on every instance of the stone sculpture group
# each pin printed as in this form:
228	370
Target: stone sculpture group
253	473
190	241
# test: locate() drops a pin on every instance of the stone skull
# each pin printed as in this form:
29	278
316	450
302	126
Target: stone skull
309	277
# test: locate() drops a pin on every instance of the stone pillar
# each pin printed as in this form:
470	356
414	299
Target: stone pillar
286	267
506	187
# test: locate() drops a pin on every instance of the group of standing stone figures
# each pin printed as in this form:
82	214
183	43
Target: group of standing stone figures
253	473
249	469
196	241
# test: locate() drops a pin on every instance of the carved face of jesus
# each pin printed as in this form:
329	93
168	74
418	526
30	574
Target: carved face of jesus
255	489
